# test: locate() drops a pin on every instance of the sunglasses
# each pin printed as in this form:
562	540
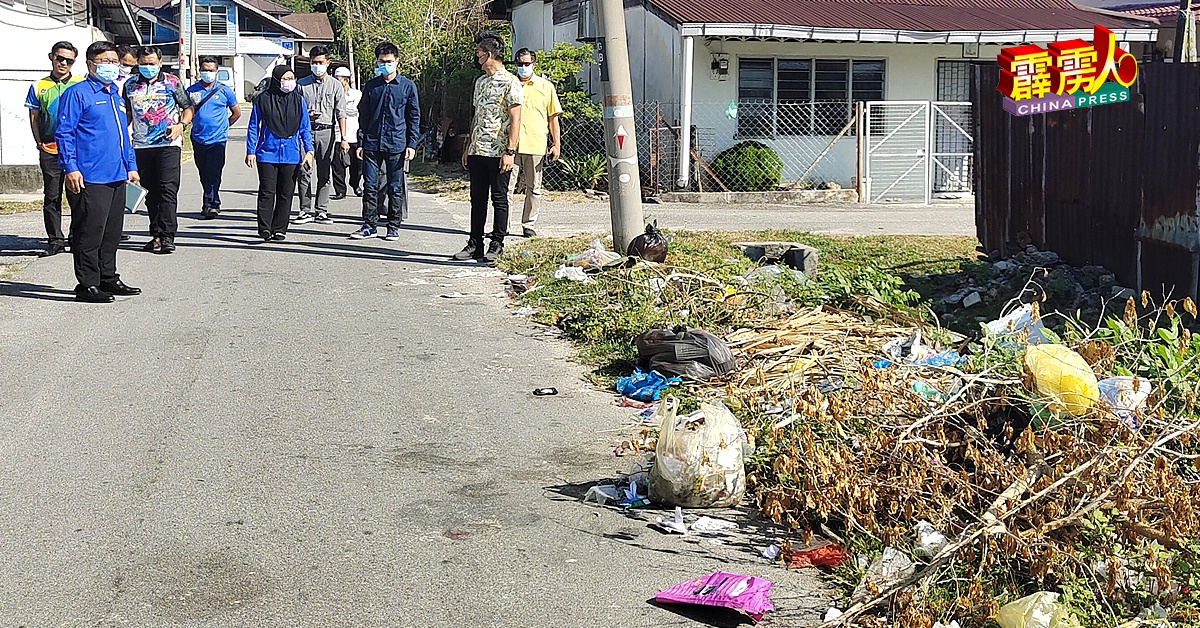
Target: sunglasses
62	59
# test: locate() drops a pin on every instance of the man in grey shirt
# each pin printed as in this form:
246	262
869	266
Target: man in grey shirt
326	100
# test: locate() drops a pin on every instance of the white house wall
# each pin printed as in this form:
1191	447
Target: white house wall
28	39
529	26
910	73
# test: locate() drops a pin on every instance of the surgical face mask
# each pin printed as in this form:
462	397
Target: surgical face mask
319	69
108	72
148	71
287	86
524	71
126	70
385	68
208	77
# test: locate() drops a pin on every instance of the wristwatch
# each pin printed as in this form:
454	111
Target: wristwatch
510	151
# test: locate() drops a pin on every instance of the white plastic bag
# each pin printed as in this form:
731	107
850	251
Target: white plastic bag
1021	319
698	465
1120	395
596	257
574	273
1040	610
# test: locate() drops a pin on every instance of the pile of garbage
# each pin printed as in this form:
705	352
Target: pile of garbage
1049	463
964	299
1024	454
1028	476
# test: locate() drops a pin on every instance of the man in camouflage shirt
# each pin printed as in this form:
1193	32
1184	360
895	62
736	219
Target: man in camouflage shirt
492	146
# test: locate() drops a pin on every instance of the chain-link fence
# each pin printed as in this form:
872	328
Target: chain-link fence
744	146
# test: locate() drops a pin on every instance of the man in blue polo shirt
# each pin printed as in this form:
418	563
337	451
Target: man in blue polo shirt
95	151
216	108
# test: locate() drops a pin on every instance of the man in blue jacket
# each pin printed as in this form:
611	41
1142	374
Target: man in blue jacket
389	120
95	151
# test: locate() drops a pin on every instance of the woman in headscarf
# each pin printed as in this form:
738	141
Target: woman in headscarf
279	141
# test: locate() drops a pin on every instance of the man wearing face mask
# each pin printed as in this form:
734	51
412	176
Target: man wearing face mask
128	66
216	108
540	109
95	152
389	121
326	100
343	162
158	109
495	130
42	103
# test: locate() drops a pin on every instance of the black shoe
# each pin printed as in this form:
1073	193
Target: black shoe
125	237
279	237
471	251
153	246
528	233
167	245
337	197
208	214
494	251
358	190
119	288
92	294
54	249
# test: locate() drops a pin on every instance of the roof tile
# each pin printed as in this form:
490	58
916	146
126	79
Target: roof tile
909	15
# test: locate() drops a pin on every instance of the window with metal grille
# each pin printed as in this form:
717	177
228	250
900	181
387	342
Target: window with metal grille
803	96
756	96
211	19
954	81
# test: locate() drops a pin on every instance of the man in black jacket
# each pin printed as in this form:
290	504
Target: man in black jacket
389	121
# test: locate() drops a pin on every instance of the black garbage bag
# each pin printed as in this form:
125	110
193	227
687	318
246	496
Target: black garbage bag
684	352
650	246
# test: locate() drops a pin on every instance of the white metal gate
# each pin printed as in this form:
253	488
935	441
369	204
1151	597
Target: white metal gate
897	151
917	148
951	153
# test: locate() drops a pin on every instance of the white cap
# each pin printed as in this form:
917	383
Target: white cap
342	71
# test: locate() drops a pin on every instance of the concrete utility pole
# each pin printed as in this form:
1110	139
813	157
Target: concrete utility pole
620	141
1185	34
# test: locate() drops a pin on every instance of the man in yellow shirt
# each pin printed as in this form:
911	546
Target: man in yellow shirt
539	114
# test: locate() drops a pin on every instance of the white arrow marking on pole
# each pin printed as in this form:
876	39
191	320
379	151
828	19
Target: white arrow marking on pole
621	134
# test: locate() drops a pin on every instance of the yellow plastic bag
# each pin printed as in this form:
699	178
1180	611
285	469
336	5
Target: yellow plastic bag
1064	377
1040	610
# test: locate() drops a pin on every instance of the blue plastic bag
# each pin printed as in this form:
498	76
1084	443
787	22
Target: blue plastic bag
644	386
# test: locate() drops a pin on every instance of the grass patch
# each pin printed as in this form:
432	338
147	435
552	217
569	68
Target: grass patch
448	180
19	207
603	317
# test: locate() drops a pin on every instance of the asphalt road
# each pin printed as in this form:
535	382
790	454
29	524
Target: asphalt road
307	434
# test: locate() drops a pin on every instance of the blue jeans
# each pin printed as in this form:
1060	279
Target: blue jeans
395	193
210	161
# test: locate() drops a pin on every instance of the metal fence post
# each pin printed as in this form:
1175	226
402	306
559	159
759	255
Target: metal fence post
860	170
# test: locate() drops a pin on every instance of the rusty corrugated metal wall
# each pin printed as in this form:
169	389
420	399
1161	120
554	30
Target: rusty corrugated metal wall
1079	182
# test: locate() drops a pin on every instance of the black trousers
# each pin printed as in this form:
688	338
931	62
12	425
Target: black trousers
487	180
53	184
276	184
383	183
96	233
343	162
159	169
210	161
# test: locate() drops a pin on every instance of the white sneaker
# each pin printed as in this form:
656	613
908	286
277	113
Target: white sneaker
303	218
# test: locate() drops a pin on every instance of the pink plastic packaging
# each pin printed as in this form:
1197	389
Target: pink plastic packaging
743	593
